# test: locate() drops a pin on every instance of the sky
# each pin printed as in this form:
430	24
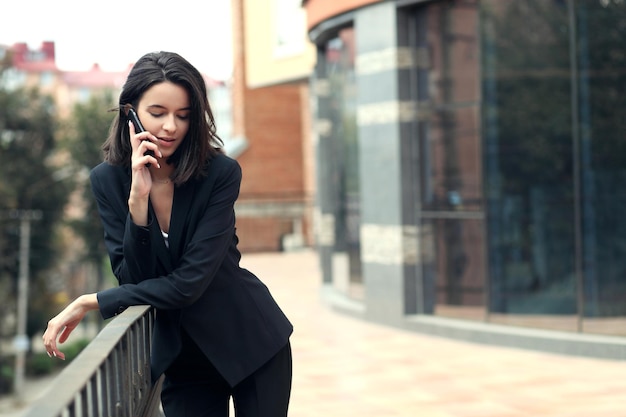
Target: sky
115	33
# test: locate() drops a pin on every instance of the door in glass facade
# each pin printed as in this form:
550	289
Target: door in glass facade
451	216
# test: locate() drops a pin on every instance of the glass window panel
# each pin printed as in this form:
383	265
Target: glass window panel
529	173
546	145
602	91
339	60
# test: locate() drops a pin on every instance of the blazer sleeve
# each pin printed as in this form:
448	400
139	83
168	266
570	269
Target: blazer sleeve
201	259
121	234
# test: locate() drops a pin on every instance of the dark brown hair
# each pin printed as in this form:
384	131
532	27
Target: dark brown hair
200	144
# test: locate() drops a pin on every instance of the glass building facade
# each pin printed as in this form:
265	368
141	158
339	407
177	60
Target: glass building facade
472	161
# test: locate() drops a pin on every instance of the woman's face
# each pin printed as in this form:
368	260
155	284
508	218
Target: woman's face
164	111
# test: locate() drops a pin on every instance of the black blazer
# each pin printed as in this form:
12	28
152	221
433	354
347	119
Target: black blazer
196	283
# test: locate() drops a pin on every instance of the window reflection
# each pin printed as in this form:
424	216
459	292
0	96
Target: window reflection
601	87
339	61
530	173
553	88
452	230
522	161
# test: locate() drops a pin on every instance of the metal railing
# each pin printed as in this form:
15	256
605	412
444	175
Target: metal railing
110	377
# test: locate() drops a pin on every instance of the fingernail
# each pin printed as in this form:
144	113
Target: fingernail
55	354
49	355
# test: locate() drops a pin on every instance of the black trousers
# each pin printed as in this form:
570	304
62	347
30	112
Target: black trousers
194	388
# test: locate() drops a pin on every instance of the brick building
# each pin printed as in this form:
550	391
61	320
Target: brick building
273	61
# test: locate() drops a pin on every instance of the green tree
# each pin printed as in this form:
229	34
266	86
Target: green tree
30	180
83	137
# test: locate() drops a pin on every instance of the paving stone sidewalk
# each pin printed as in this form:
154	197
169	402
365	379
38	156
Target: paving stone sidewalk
345	367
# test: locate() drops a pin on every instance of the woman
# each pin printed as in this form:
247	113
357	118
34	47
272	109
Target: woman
166	199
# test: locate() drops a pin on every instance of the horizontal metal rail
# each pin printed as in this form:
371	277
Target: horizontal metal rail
110	377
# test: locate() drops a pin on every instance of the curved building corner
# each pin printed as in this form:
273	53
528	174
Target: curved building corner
469	162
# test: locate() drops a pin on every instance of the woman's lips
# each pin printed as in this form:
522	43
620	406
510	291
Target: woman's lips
166	143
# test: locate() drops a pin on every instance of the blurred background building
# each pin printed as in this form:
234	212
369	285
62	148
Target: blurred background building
273	61
470	158
37	68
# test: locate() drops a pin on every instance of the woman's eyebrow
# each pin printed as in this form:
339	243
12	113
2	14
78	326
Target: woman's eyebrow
159	106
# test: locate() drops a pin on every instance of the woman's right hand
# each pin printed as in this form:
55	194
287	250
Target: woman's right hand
141	143
141	182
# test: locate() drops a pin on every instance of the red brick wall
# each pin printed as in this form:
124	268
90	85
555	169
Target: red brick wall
261	234
272	120
273	169
273	162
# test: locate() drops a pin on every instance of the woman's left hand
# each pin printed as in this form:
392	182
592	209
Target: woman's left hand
66	321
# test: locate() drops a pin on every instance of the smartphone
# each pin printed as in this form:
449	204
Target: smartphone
132	116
